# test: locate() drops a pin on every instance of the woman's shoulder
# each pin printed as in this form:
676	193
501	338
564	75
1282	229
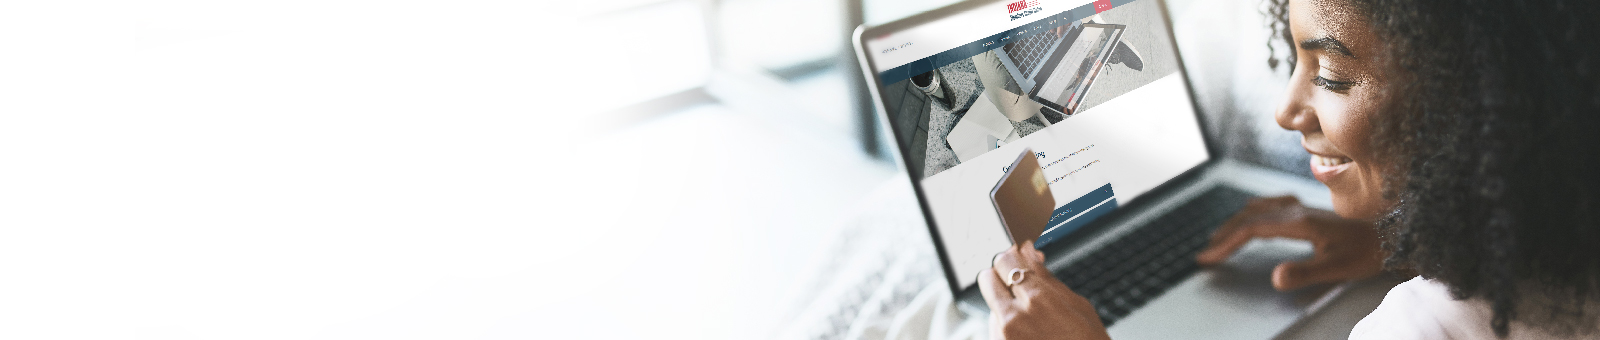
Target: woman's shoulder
1424	309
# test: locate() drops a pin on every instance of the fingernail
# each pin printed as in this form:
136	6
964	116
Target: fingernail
1277	279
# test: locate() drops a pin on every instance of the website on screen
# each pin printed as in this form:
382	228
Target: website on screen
1092	88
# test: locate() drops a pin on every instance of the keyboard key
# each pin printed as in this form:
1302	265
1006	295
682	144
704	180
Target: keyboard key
1095	285
1106	315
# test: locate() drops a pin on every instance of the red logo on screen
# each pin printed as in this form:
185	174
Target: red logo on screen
1023	8
1021	5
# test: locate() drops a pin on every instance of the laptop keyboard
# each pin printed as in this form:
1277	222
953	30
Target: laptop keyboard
1143	264
1029	52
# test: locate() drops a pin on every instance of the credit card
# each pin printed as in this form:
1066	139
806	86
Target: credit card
1022	198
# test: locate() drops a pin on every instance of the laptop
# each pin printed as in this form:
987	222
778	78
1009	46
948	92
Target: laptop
1135	185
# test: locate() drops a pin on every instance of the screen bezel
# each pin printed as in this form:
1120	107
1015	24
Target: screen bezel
868	66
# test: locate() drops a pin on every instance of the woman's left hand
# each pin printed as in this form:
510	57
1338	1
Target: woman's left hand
1037	306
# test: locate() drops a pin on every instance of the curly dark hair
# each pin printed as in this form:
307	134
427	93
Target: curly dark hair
1493	129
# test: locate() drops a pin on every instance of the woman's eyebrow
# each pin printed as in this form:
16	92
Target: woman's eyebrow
1327	44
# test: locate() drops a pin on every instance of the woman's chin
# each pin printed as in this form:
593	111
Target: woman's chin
1353	201
1346	209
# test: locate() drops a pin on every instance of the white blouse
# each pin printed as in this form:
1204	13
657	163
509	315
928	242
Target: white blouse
1423	309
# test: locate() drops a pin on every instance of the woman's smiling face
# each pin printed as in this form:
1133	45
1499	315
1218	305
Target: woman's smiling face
1333	95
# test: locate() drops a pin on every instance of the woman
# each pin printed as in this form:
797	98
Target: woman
1461	142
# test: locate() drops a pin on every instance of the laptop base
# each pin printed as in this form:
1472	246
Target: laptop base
1234	300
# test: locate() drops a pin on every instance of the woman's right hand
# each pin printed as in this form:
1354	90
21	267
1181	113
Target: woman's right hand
1344	249
1037	305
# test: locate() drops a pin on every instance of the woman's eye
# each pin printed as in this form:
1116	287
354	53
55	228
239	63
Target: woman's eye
1331	85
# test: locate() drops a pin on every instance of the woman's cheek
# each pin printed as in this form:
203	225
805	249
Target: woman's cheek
1330	112
1355	125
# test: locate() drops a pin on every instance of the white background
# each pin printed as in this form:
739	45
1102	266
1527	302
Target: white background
356	169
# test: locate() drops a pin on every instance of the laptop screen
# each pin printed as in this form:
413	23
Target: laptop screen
1092	88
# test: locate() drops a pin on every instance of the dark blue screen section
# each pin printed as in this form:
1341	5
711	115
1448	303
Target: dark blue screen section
958	53
1076	214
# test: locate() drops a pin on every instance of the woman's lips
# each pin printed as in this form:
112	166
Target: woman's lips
1324	168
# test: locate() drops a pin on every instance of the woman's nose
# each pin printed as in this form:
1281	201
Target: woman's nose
1296	112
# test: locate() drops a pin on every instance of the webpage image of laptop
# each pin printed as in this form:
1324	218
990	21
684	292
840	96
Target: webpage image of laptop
1067	76
1093	89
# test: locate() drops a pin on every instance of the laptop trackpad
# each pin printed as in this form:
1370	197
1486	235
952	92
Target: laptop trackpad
1234	300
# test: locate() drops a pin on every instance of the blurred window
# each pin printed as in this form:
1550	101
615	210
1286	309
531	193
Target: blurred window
628	52
881	11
